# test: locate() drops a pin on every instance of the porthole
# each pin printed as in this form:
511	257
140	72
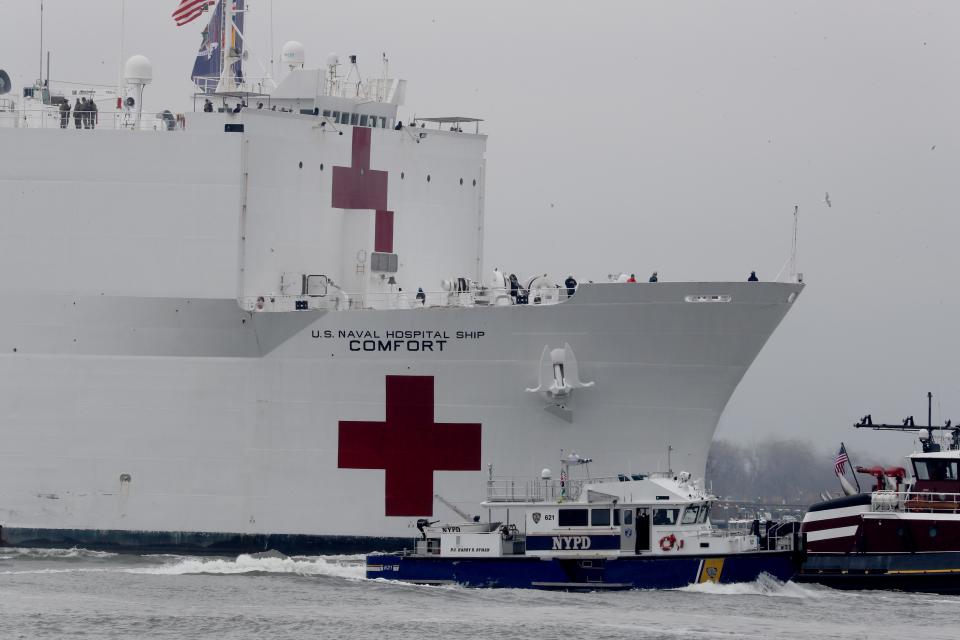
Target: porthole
474	183
461	182
428	177
401	175
321	166
301	164
933	532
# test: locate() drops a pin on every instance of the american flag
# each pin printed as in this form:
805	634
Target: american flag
841	462
190	10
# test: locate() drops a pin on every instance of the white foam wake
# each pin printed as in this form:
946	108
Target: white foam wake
25	553
348	567
765	585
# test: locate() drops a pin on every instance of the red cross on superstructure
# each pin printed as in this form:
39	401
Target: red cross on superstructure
409	446
360	187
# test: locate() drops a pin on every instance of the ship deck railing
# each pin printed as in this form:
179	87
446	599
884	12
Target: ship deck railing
50	118
340	301
914	502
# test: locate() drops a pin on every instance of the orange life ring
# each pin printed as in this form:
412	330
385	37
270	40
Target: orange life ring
667	542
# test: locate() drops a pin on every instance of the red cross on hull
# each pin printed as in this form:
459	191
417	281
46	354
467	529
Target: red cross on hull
360	187
409	446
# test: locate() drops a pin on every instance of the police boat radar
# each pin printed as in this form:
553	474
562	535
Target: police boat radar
629	531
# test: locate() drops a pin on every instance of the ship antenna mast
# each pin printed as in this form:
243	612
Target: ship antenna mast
229	53
40	77
793	248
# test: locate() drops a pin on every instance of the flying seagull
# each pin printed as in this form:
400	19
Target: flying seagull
826	198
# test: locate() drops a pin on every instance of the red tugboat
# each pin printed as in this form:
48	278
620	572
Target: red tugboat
904	534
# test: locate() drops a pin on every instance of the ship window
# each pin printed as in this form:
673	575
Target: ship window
628	516
326	113
600	517
336	116
616	517
935	469
383	122
363	120
354	118
690	515
572	518
344	118
704	512
665	516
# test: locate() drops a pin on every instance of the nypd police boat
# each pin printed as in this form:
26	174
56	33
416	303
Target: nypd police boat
643	531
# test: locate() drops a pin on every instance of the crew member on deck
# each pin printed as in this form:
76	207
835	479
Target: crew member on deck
64	114
421	297
571	285
514	287
632	278
753	277
653	277
207	106
92	106
77	114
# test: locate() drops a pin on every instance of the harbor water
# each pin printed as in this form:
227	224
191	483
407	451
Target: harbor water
79	593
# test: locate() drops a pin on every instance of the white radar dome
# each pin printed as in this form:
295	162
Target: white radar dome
138	70
293	54
333	60
545	474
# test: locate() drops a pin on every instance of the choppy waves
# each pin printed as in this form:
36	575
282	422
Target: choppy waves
349	567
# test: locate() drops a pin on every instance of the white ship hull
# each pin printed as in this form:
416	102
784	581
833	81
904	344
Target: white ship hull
176	415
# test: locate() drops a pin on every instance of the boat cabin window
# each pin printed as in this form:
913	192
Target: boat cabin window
572	518
628	516
935	469
704	512
326	113
363	120
690	515
665	516
616	517
600	517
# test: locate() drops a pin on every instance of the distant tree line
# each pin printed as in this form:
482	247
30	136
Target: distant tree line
770	471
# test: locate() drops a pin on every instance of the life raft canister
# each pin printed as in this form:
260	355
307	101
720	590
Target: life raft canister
667	542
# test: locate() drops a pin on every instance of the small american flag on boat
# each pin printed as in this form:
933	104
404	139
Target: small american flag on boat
841	461
190	10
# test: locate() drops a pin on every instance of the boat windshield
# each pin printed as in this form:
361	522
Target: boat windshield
690	515
933	469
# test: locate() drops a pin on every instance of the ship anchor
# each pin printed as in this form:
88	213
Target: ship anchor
559	376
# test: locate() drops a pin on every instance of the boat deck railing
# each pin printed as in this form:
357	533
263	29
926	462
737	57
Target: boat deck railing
526	489
914	502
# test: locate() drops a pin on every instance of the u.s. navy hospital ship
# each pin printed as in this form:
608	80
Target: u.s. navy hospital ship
213	333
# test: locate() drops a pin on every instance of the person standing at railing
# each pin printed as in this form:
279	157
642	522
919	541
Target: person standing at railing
84	113
64	114
93	113
78	113
421	297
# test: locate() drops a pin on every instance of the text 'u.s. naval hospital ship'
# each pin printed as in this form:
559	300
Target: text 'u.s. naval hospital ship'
214	335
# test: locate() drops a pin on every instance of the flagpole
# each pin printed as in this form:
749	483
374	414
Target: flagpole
853	469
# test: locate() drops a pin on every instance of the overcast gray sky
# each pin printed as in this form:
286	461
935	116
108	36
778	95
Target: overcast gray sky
674	136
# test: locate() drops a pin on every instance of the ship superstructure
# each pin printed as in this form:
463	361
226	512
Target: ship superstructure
240	329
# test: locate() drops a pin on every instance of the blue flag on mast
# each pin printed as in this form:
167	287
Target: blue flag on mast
206	68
